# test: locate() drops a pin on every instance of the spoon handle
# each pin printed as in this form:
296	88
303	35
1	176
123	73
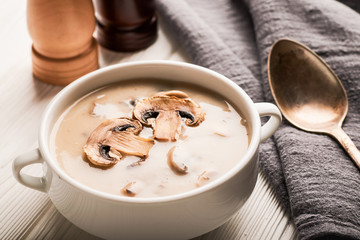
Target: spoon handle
348	145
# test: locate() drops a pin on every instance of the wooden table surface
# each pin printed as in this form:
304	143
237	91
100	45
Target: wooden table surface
29	214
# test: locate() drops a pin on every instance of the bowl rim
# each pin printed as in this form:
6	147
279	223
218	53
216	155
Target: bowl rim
45	130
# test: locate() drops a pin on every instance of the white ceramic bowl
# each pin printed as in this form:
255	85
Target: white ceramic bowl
180	216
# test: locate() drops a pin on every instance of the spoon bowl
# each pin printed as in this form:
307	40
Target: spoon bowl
308	92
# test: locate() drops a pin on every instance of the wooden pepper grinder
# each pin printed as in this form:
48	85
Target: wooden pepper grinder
63	46
126	25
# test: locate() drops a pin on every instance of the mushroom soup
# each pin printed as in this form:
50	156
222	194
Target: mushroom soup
149	138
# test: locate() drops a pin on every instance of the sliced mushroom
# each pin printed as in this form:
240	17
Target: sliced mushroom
131	189
137	163
114	138
164	111
177	164
205	177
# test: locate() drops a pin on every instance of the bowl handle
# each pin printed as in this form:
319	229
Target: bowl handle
32	157
268	109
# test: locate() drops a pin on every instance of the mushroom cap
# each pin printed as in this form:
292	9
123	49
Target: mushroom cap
114	138
174	93
164	110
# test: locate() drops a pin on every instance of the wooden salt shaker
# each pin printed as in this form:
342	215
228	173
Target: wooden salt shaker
63	46
126	25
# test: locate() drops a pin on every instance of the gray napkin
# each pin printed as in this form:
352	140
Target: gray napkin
312	175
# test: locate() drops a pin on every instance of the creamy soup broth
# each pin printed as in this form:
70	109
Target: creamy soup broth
208	150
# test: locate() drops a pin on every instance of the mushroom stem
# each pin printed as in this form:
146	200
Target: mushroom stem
130	144
167	126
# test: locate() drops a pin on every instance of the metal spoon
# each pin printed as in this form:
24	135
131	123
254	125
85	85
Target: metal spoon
308	92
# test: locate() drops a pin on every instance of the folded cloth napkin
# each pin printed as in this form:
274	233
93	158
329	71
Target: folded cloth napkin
313	176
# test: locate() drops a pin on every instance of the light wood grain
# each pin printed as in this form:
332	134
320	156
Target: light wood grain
29	214
63	45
